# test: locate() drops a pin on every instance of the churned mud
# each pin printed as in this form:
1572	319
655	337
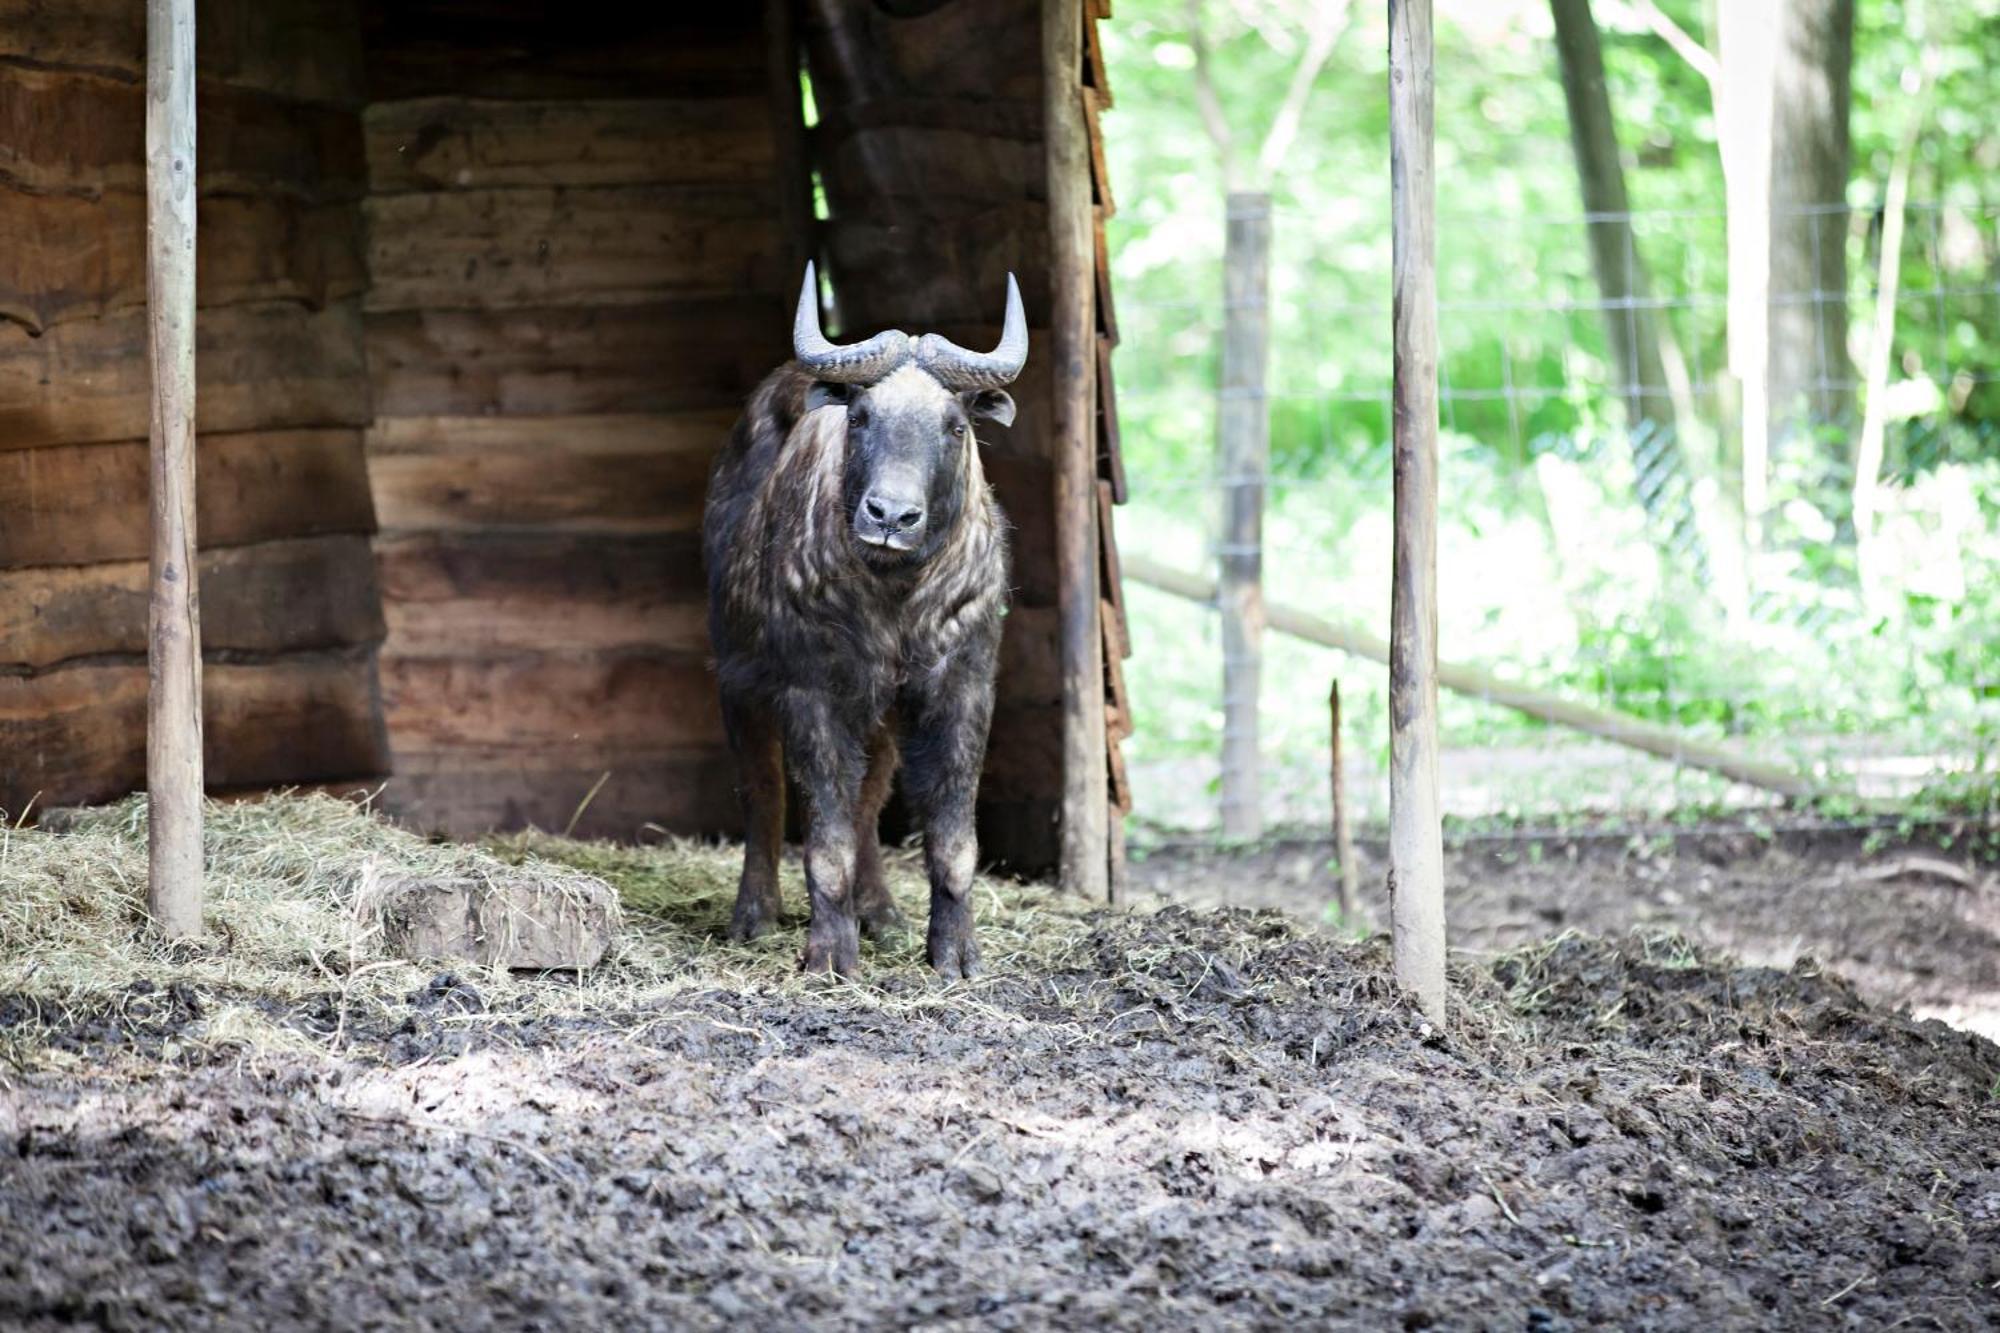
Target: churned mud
1171	1118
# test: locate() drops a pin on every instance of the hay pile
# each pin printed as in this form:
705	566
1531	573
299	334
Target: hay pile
287	912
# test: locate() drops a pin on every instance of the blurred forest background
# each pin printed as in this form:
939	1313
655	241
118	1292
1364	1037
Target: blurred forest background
1707	477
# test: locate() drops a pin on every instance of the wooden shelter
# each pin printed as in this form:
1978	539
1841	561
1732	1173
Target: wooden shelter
482	285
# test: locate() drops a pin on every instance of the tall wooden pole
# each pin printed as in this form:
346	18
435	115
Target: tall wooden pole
173	719
1246	449
1416	841
1072	350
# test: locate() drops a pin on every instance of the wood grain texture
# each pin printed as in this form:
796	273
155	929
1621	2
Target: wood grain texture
72	258
452	143
304	50
1416	848
80	504
489	594
571	246
73	133
276	597
78	734
608	474
257	367
524	702
629	359
173	661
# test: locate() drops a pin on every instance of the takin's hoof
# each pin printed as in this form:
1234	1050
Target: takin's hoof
955	956
752	919
836	951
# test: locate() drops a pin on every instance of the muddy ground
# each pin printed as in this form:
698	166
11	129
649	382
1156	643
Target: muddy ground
1912	918
1175	1118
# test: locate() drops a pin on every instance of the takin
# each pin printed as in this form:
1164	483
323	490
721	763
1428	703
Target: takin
857	576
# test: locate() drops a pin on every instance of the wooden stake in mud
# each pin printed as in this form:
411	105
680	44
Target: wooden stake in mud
1085	850
1343	834
1416	839
173	716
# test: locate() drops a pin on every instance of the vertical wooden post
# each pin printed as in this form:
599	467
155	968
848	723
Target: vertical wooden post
1343	832
1416	843
1246	446
1072	349
173	717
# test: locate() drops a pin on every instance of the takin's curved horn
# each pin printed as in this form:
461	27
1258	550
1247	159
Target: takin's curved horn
857	363
956	368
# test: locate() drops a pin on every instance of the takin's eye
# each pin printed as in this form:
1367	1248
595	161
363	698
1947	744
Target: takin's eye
958	429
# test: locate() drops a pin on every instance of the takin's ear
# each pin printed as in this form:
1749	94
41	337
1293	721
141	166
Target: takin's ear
989	405
823	394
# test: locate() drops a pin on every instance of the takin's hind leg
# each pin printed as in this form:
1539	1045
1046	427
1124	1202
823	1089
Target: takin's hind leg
872	905
760	776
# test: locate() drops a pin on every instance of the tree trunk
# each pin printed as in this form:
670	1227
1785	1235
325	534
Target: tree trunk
1631	326
1246	446
1810	374
1748	31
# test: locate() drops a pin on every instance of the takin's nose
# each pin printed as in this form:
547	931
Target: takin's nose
887	519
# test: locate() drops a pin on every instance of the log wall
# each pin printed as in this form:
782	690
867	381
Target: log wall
291	608
577	272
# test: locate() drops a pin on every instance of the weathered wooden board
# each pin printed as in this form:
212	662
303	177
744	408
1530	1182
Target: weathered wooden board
79	504
609	474
308	50
260	367
276	597
525	702
594	245
690	790
660	358
492	593
930	171
1026	761
957	276
70	258
972	50
1111	575
1100	173
1107	312
452	143
1096	74
84	134
479	48
78	734
1026	488
1030	660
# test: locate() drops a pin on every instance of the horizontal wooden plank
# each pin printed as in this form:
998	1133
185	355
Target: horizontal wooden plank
1107	310
85	134
1111	573
477	48
1110	446
80	504
451	143
275	597
71	257
307	50
689	791
1096	74
78	734
524	702
258	367
957	277
491	594
578	474
593	245
631	359
930	170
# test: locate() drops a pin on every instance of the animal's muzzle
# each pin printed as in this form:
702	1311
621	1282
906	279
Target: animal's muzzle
889	520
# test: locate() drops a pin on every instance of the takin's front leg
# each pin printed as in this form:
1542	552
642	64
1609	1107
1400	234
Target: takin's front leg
828	758
943	750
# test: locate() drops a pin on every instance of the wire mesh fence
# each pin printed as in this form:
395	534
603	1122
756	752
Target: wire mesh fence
1604	541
